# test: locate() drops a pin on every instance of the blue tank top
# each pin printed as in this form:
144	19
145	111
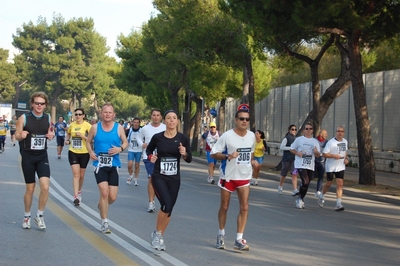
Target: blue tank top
103	141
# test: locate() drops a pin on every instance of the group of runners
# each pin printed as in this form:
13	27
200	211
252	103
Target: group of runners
162	147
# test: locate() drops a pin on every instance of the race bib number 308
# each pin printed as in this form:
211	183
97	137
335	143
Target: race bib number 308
244	157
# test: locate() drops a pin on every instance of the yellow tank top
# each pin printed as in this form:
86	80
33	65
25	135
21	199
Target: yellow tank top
258	151
77	144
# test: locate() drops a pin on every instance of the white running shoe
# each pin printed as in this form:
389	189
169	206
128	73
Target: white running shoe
280	190
295	192
157	240
317	194
135	183
129	181
299	203
339	207
211	180
220	242
241	244
321	200
152	207
39	220
105	229
27	222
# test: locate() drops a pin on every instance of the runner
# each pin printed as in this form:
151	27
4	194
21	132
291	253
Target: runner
13	125
109	140
134	151
335	153
305	149
146	133
236	148
32	130
78	155
261	147
210	138
61	128
3	134
169	146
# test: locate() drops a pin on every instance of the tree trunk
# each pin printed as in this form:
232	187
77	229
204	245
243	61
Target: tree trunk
316	93
186	114
53	103
250	76
221	116
334	91
364	139
196	123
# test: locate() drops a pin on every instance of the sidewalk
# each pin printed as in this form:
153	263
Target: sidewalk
388	184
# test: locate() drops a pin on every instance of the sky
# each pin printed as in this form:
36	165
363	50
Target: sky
111	17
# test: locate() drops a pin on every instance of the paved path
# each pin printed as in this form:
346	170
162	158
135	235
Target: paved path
383	179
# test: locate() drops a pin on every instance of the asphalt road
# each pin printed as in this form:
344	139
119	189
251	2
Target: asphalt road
366	233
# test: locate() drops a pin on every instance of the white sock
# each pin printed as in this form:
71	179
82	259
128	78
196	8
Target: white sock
221	232
338	201
104	221
239	236
136	179
27	214
39	213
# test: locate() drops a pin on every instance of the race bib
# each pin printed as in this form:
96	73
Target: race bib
77	143
168	166
244	157
60	133
38	142
105	160
134	143
212	143
306	160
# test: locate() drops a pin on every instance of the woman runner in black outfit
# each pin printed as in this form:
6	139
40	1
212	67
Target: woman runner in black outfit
165	151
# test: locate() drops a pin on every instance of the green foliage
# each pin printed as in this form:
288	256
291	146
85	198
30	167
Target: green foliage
7	77
64	56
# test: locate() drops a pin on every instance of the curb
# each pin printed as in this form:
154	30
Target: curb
346	191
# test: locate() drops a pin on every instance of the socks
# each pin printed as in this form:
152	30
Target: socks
221	232
239	236
39	213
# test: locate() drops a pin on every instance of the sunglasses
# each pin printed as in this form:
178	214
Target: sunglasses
339	130
212	127
78	114
308	128
293	129
39	103
244	118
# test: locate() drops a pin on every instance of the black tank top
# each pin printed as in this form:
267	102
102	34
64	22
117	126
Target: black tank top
37	128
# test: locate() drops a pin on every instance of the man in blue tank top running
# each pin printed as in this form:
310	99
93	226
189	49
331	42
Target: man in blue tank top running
109	140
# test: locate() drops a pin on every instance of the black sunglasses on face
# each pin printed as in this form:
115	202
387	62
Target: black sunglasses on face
244	118
78	114
39	103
